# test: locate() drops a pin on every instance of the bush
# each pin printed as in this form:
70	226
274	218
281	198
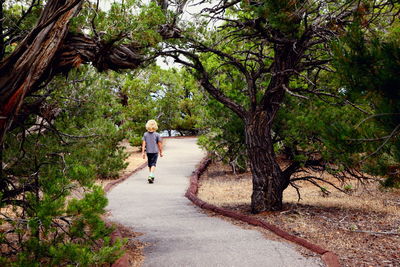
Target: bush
46	159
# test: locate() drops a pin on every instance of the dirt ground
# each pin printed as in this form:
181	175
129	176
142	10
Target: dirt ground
134	160
361	227
133	247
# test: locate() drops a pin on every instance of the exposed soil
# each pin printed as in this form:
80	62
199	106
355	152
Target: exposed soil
133	247
361	227
134	160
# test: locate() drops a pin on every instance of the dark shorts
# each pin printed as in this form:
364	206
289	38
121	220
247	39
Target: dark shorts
152	159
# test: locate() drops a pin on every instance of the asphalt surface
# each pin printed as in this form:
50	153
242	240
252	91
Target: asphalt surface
179	233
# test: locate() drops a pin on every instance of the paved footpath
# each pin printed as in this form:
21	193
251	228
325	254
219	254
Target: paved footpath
179	233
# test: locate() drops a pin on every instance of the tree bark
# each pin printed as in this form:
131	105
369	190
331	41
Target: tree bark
50	49
31	62
81	49
1	30
268	179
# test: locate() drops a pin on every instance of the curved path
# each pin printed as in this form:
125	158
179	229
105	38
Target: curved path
179	233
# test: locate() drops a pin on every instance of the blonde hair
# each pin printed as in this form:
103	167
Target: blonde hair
151	126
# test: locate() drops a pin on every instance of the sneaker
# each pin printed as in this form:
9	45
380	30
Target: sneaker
150	179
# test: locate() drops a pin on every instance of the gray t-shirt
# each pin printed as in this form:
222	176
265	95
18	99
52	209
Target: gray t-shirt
151	139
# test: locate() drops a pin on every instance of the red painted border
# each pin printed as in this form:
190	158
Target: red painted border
123	260
111	184
330	258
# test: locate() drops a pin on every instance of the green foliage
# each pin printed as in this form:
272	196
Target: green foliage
225	135
317	129
168	96
73	137
348	188
224	130
324	130
93	110
368	65
128	22
13	12
303	130
53	158
282	15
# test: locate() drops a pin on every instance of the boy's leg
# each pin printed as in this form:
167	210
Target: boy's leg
152	172
153	164
149	179
152	169
152	159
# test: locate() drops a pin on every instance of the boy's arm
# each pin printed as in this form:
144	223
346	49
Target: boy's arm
143	147
160	148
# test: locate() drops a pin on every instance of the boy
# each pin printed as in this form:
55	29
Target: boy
153	144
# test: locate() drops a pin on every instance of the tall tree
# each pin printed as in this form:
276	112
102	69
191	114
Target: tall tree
31	62
269	43
57	44
57	137
51	48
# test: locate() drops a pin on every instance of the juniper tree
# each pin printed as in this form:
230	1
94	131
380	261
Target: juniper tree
57	135
55	155
270	44
52	46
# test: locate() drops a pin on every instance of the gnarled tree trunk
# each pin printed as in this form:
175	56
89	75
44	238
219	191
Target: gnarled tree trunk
31	62
50	49
268	179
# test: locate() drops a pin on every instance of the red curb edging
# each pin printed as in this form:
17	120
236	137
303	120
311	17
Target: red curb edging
123	260
330	258
110	185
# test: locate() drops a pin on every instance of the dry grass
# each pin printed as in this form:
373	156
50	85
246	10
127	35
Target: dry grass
356	226
135	157
134	160
221	189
